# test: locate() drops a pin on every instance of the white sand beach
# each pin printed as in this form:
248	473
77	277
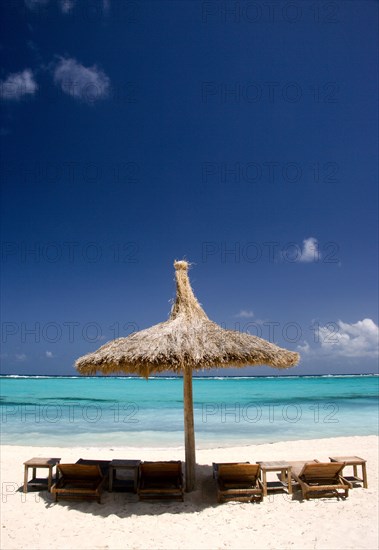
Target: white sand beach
35	521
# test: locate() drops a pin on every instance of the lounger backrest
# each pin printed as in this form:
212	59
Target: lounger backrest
321	470
228	464
79	471
234	472
161	469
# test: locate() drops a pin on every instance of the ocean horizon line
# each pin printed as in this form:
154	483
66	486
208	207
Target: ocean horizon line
198	377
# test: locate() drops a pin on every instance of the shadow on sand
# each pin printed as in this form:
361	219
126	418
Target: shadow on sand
126	504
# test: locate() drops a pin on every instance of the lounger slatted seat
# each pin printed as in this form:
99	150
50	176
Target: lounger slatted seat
318	479
160	480
79	482
239	482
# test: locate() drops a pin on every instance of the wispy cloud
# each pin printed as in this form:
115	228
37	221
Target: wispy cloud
310	251
245	314
34	4
87	84
67	5
305	348
21	357
18	85
49	354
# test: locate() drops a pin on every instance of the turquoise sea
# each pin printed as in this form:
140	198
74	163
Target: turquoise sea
113	411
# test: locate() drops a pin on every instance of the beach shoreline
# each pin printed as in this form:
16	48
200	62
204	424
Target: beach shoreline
180	448
34	520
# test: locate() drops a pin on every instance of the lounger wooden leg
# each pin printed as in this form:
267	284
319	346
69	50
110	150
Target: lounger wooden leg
289	482
49	479
364	476
26	479
264	480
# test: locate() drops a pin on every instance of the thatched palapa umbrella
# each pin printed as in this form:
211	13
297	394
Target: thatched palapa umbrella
188	341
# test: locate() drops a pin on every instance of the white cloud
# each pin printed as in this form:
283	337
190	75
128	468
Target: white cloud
20	357
351	340
88	84
67	5
310	251
49	354
244	313
358	340
18	85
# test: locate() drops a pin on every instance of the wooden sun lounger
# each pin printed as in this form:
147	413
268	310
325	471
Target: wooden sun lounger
239	482
318	479
160	480
79	482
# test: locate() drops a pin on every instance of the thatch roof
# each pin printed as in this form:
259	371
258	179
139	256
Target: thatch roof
188	339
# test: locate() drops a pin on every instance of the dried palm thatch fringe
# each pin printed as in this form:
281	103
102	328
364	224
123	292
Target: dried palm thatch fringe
189	339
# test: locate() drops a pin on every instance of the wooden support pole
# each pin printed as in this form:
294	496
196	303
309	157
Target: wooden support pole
189	432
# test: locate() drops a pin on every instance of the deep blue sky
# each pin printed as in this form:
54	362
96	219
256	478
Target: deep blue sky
240	136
